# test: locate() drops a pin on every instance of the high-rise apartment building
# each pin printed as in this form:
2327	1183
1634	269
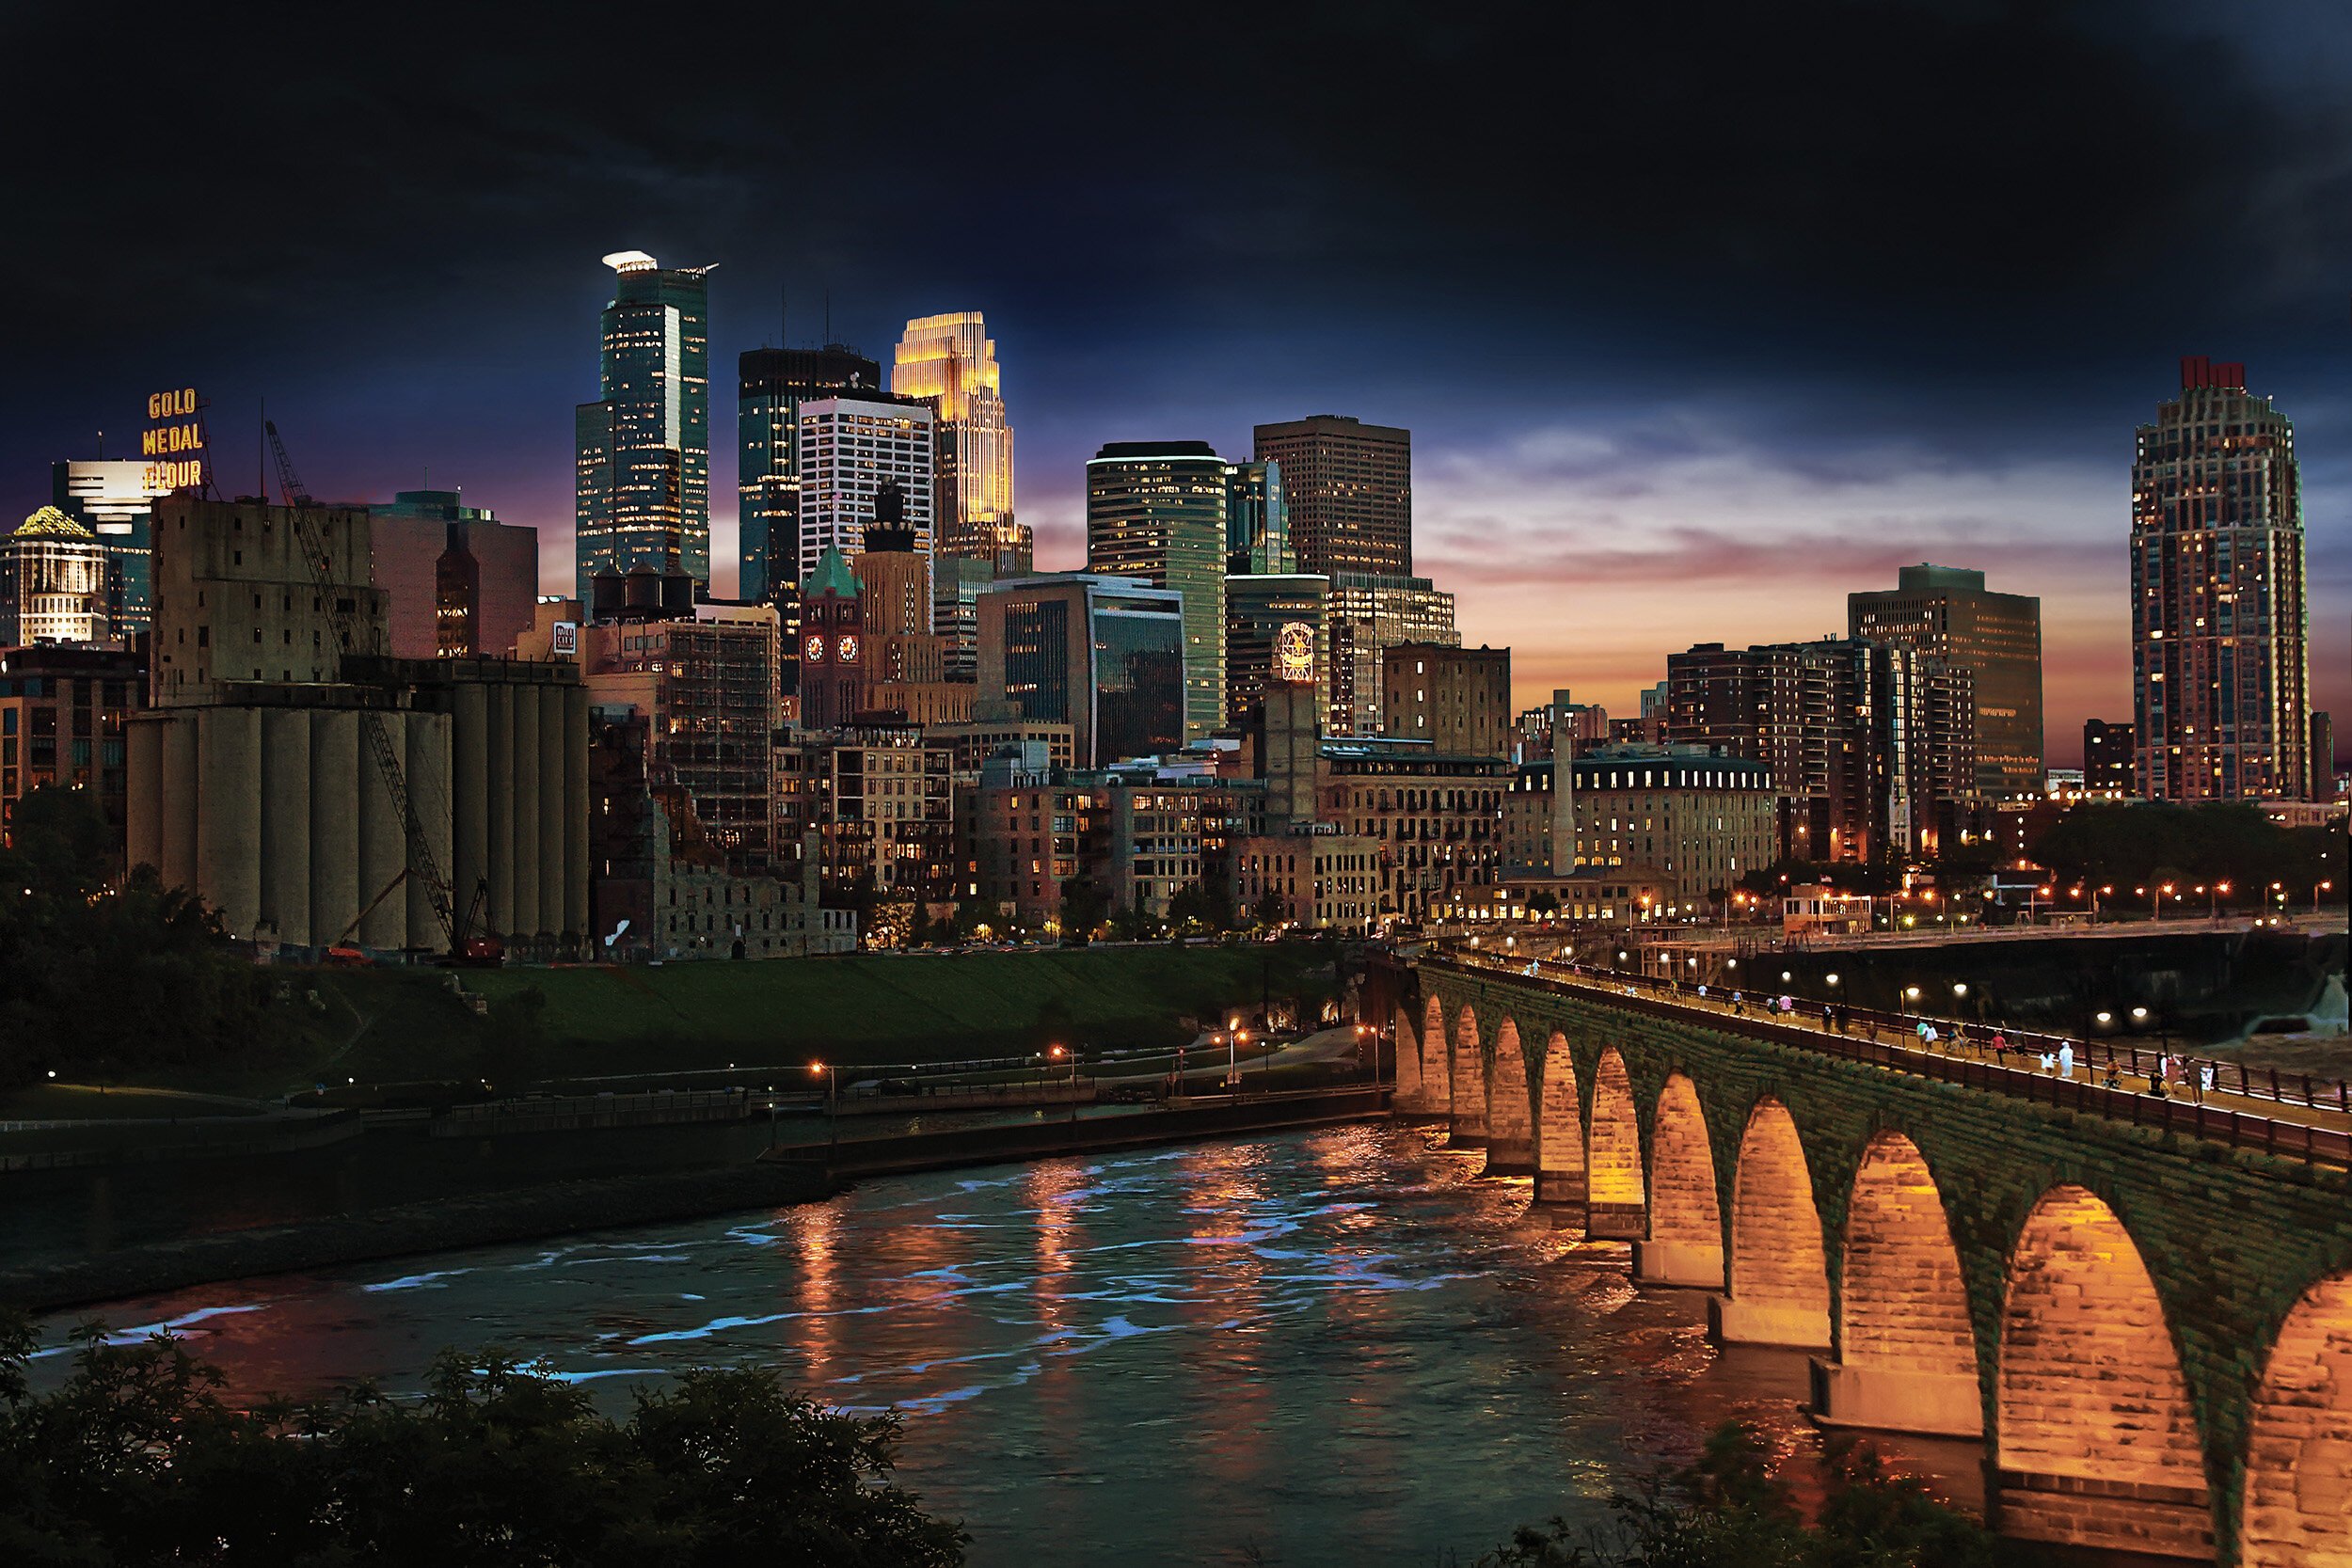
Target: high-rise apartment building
2220	676
2106	758
1870	743
772	384
1369	616
53	583
115	499
642	449
1456	699
1155	511
948	362
851	449
1350	488
1276	629
1945	612
1103	655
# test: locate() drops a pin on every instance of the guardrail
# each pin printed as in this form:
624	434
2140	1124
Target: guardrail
2241	1129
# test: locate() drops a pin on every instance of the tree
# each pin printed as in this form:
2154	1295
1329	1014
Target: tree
1270	911
137	1459
1193	909
1084	906
59	842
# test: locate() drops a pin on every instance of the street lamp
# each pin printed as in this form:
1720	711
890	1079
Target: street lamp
1058	1054
1910	993
832	1120
2105	1018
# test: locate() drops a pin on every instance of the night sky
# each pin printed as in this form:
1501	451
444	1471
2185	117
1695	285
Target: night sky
1700	316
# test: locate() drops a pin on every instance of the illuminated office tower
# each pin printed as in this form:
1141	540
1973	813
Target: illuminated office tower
1155	511
115	499
1947	613
1350	486
949	361
850	449
53	583
2220	679
774	382
643	448
1368	616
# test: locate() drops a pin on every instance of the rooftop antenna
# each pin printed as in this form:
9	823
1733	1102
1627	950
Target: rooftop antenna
261	456
102	446
828	315
784	317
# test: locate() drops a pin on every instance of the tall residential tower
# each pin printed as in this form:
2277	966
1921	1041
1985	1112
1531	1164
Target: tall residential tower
1945	611
949	362
2220	677
1155	511
644	447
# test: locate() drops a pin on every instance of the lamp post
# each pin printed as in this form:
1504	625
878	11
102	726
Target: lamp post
2316	889
832	1119
1058	1054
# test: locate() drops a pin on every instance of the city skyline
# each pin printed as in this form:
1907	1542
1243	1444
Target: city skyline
1705	414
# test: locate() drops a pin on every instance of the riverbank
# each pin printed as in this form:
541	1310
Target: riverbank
789	1173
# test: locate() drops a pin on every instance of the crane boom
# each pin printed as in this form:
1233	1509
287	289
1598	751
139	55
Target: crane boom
422	863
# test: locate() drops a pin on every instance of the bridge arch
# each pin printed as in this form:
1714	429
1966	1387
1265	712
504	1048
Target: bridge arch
2298	1457
1779	1273
1408	1049
1559	1128
2097	1443
1470	1082
1906	1348
1437	1072
1615	1204
1686	1223
1510	1132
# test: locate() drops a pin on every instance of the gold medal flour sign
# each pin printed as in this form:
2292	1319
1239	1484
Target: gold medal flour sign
173	442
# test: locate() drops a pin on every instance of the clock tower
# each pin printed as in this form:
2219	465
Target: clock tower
831	651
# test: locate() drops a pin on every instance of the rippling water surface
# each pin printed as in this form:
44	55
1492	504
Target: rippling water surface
1308	1348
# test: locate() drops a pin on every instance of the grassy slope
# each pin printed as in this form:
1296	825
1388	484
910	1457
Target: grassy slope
858	1009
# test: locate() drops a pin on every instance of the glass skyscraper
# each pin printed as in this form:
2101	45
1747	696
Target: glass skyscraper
1156	510
774	383
949	361
1257	521
1105	655
2220	674
644	447
114	499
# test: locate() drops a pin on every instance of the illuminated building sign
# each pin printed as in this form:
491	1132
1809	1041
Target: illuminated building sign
1295	652
173	442
566	640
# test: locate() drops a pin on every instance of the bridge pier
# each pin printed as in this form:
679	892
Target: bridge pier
1565	1188
1616	1222
1691	1264
1785	1325
1896	1399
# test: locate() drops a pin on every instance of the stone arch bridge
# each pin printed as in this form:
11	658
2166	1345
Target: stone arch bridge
2151	1333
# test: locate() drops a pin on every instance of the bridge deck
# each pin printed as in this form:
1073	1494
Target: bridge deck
2319	1133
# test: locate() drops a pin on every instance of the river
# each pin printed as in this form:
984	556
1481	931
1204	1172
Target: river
1327	1347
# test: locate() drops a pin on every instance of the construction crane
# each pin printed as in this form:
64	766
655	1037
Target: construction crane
422	863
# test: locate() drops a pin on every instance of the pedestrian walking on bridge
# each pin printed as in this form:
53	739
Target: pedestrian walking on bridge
2066	1060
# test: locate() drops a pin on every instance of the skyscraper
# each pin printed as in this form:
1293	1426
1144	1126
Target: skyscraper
850	449
2221	677
115	499
1155	510
1257	521
1103	655
949	362
1350	487
53	583
1947	613
774	382
644	448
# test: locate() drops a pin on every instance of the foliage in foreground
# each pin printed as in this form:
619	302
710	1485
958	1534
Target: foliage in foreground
137	1459
1729	1510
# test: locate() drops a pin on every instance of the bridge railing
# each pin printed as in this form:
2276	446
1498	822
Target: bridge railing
2149	1108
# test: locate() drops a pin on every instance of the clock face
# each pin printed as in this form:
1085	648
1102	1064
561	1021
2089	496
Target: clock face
813	648
848	648
1295	652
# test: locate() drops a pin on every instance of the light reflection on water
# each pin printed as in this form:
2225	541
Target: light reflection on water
1318	1347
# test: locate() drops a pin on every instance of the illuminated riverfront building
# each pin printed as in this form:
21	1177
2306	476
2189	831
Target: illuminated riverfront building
950	363
1456	700
53	583
115	499
61	716
1155	510
774	383
642	449
2220	679
851	449
1350	488
1945	612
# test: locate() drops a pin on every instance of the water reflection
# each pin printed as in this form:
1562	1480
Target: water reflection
1315	1347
